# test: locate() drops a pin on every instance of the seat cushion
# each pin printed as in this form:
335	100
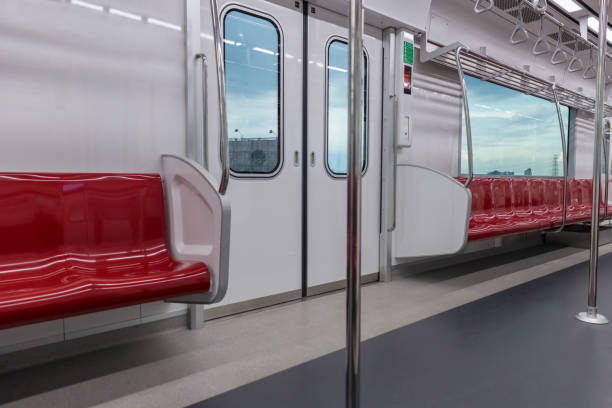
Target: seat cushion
80	243
510	205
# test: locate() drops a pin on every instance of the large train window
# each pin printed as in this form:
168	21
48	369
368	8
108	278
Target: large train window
337	109
513	133
253	91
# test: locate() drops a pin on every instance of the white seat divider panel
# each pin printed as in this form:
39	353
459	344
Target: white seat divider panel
198	223
432	213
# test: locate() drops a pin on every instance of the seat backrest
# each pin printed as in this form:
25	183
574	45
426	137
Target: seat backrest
92	215
482	197
502	195
521	195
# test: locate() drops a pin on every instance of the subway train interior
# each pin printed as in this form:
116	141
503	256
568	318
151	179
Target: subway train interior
291	203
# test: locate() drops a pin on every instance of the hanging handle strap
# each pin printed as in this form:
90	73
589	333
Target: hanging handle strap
541	46
519	34
576	63
559	56
478	9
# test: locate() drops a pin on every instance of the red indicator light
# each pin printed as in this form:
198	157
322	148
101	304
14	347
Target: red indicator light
407	79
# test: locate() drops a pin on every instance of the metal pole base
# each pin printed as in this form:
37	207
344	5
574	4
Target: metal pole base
591	316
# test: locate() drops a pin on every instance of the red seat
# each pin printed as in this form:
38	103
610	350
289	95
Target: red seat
80	243
509	205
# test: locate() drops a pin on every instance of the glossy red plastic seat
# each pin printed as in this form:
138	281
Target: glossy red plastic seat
80	243
509	205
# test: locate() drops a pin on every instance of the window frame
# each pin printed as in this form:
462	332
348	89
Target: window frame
281	91
567	137
366	138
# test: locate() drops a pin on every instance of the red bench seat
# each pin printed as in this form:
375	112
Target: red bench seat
80	243
509	205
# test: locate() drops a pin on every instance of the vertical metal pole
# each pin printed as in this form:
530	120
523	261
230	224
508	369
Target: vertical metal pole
353	253
591	315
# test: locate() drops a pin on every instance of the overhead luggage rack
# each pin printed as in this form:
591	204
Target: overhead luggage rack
491	70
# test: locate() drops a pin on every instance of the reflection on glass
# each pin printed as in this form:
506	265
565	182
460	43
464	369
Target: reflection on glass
513	133
252	62
337	108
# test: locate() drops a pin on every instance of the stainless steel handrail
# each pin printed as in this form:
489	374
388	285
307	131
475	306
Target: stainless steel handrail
466	113
483	66
204	60
395	149
223	133
565	158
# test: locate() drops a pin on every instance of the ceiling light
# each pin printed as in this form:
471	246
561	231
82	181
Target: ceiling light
568	5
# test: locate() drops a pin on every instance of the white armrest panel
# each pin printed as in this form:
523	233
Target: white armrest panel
433	213
199	223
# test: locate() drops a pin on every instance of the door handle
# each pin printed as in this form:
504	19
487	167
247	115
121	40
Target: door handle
312	159
296	158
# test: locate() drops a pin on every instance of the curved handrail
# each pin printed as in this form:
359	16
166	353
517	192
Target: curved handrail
466	113
223	134
565	158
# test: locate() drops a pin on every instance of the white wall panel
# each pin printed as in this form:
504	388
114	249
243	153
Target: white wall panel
87	90
435	111
583	145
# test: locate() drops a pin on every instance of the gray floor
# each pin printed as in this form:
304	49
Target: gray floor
180	367
518	348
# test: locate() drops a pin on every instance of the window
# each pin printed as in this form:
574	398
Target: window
337	108
512	133
252	63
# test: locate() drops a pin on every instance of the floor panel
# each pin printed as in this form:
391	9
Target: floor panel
518	348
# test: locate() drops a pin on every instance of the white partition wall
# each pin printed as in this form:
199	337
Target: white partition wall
433	213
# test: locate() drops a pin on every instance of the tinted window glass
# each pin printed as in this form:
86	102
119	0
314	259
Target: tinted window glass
512	133
337	108
252	62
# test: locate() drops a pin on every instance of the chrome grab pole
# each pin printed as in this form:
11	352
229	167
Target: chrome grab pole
204	60
565	158
223	134
606	149
395	149
466	114
591	315
353	251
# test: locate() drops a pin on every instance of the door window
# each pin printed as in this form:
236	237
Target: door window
337	109
253	72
